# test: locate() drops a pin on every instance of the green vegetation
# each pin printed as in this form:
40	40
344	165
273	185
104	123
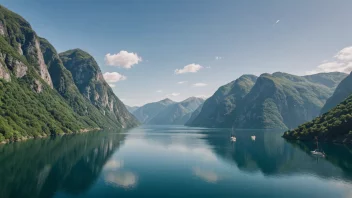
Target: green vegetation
277	100
220	109
29	107
285	101
335	125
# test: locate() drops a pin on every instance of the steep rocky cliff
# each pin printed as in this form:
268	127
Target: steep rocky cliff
37	94
90	82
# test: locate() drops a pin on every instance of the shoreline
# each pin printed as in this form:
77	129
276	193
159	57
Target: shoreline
335	141
24	138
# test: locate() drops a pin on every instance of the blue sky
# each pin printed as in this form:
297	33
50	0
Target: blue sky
248	37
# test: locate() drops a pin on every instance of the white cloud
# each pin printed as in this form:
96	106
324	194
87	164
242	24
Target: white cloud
182	82
218	57
342	63
173	94
345	54
112	85
191	68
208	67
159	91
122	59
199	85
112	77
277	21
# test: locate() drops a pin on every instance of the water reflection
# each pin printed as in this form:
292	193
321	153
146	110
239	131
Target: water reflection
273	156
40	168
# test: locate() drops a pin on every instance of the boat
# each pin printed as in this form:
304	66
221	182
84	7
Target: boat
317	152
253	137
233	139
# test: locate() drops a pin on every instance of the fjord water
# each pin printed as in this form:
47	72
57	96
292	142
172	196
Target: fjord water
173	161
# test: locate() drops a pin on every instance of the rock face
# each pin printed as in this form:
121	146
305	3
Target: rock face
38	96
343	90
178	113
148	111
277	100
220	109
91	84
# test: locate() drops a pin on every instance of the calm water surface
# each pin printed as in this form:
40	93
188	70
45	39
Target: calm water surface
173	161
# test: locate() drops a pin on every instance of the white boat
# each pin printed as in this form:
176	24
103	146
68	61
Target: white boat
316	152
253	137
233	139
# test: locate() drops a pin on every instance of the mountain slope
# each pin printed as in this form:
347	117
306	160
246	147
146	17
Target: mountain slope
30	107
178	113
64	84
219	109
147	112
342	91
91	84
335	125
284	101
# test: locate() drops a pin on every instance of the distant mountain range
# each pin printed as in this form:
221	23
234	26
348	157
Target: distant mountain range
44	93
277	100
167	112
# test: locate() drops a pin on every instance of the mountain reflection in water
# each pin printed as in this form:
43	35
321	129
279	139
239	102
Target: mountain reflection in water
173	161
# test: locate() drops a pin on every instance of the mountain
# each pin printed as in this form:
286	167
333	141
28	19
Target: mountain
284	101
90	82
194	115
277	100
178	113
146	112
335	125
38	96
342	91
220	109
131	109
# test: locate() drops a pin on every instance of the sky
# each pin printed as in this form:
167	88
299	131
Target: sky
152	49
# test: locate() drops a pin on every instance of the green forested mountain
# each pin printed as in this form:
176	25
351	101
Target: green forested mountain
335	125
277	100
178	113
220	109
343	90
92	85
37	94
284	101
147	112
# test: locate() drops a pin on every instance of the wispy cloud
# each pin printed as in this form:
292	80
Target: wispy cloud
191	68
122	59
218	57
182	82
159	91
278	21
173	94
342	62
199	85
